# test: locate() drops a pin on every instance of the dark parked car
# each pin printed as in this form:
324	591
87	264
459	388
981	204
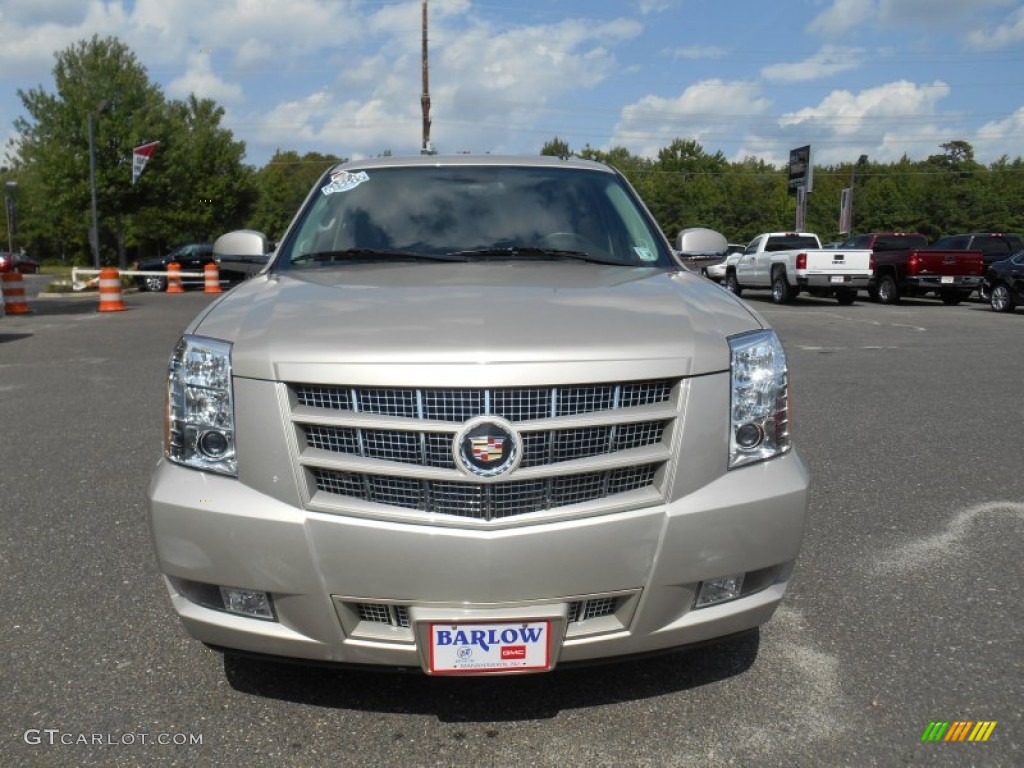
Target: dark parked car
994	246
18	262
1006	281
192	258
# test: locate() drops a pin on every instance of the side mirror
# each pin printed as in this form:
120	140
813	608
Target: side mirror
698	248
244	250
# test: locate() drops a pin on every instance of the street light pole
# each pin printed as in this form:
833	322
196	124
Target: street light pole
94	235
9	206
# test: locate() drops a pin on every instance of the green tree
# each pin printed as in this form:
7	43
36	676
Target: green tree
282	184
98	80
556	148
194	187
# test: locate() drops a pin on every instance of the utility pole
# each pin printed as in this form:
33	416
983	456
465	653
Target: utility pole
426	149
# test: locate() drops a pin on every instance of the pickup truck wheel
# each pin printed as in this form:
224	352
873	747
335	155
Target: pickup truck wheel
1001	299
888	291
782	293
732	284
845	296
154	284
873	293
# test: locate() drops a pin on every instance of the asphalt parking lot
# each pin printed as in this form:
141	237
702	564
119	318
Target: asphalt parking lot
906	607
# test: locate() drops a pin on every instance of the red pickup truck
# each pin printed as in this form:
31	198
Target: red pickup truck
904	265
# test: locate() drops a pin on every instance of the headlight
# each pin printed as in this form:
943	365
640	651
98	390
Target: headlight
759	400
200	409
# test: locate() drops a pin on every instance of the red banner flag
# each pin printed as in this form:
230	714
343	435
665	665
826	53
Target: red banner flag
140	156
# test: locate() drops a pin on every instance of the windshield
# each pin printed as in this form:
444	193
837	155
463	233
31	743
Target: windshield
464	213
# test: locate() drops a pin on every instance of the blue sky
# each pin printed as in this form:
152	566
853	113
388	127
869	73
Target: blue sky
885	78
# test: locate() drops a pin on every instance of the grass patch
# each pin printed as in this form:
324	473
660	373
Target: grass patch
56	270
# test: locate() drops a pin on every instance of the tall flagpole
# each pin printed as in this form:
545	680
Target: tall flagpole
426	149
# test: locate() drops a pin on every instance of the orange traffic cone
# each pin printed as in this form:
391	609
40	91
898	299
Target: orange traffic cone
174	278
14	294
211	275
110	290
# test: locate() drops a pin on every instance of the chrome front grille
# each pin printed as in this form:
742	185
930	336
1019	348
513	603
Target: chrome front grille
395	446
483	501
459	405
432	449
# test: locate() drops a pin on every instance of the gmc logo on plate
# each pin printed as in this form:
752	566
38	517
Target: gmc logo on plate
513	651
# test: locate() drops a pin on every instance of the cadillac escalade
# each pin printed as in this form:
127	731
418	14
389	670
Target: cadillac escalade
474	418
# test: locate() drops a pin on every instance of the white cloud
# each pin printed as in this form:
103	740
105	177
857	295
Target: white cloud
882	121
488	87
933	12
1009	33
1000	137
828	61
704	109
29	12
841	17
200	79
647	7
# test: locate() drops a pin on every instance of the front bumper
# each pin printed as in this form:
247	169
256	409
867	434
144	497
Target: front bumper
320	568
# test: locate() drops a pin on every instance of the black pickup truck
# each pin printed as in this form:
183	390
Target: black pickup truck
994	246
904	264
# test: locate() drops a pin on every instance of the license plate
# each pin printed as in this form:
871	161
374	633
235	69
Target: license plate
838	279
477	648
948	278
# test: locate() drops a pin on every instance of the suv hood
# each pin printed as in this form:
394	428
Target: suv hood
333	324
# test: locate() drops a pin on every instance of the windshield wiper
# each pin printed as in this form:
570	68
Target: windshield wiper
532	253
368	255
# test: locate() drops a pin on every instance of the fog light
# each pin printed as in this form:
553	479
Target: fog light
247	603
719	590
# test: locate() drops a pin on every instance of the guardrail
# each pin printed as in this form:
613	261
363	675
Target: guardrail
81	285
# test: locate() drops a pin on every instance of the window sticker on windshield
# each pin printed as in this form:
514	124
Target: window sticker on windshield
645	253
343	181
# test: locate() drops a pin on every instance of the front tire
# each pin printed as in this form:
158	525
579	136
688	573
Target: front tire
1001	300
154	284
732	284
888	290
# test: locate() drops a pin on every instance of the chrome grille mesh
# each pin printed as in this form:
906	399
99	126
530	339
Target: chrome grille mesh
382	613
459	405
600	428
595	608
483	501
433	449
398	615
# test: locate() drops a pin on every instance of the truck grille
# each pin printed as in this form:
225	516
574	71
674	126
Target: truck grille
394	446
459	405
482	501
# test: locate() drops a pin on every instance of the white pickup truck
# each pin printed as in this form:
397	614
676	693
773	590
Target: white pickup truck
791	262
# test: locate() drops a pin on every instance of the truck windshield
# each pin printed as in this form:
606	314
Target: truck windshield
469	212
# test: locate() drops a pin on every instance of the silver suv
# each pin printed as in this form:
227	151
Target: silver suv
475	418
